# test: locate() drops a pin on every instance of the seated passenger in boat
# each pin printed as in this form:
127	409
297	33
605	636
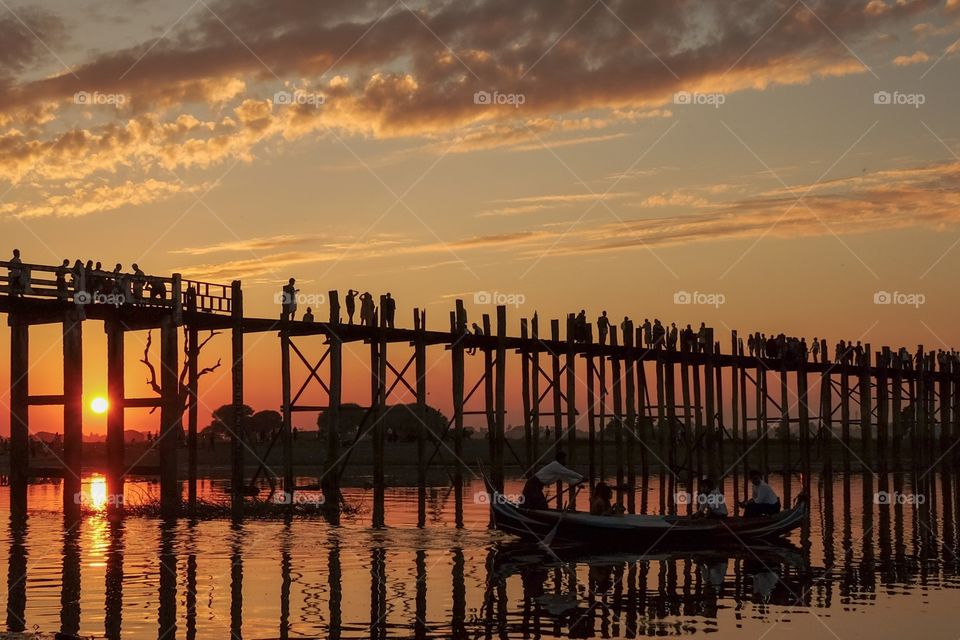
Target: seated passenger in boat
601	502
764	502
556	471
710	501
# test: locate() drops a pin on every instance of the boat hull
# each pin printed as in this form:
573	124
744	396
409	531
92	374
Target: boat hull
632	530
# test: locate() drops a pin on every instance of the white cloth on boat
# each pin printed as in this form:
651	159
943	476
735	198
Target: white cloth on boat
763	494
556	472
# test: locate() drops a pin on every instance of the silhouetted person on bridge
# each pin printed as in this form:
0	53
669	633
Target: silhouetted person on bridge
139	279
603	328
477	331
647	333
15	275
289	300
158	291
658	334
672	337
389	305
308	316
815	350
62	271
351	304
367	309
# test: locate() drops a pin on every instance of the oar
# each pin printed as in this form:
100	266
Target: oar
548	539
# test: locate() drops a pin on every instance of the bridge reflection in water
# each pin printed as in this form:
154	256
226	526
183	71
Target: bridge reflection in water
140	577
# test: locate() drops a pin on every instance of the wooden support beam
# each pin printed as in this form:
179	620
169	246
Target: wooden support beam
557	401
591	420
72	411
631	426
845	416
710	423
615	367
420	355
571	371
330	476
664	446
690	445
378	365
883	408
535	392
171	415
193	397
670	396
500	405
237	435
459	328
866	407
738	446
19	417
286	410
643	418
804	416
786	463
116	467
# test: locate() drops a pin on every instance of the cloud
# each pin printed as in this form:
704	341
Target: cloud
915	58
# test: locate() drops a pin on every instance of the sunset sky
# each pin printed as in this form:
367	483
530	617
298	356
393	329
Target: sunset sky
790	159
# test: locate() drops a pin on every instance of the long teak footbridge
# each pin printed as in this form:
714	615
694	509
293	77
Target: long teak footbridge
679	413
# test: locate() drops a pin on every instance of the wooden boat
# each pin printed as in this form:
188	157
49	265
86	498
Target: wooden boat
632	530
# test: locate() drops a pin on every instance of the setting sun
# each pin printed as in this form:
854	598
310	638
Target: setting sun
99	405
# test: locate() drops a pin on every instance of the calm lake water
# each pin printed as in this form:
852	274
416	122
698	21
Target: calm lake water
862	570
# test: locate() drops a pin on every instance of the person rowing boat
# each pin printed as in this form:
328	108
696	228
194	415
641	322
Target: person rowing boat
556	471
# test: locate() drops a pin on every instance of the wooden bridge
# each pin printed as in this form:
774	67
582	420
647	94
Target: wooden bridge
678	413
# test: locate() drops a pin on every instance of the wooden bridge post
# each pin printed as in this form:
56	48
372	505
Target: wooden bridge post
525	392
535	390
804	417
689	435
489	400
719	429
286	408
631	425
896	407
19	415
883	407
826	424
696	454
762	426
735	411
617	411
237	436
557	400
115	414
945	405
193	396
866	406
420	363
710	424
378	366
72	411
786	463
500	400
591	416
171	416
457	354
643	414
671	400
571	371
744	427
664	446
845	412
331	473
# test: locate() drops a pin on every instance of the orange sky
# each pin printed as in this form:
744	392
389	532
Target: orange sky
793	158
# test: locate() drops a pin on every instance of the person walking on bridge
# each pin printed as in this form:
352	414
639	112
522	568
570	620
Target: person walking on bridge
351	304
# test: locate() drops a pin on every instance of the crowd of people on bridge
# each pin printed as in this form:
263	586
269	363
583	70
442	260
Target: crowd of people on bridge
652	335
88	282
370	314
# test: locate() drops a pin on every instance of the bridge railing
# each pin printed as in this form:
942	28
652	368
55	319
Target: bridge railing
99	287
